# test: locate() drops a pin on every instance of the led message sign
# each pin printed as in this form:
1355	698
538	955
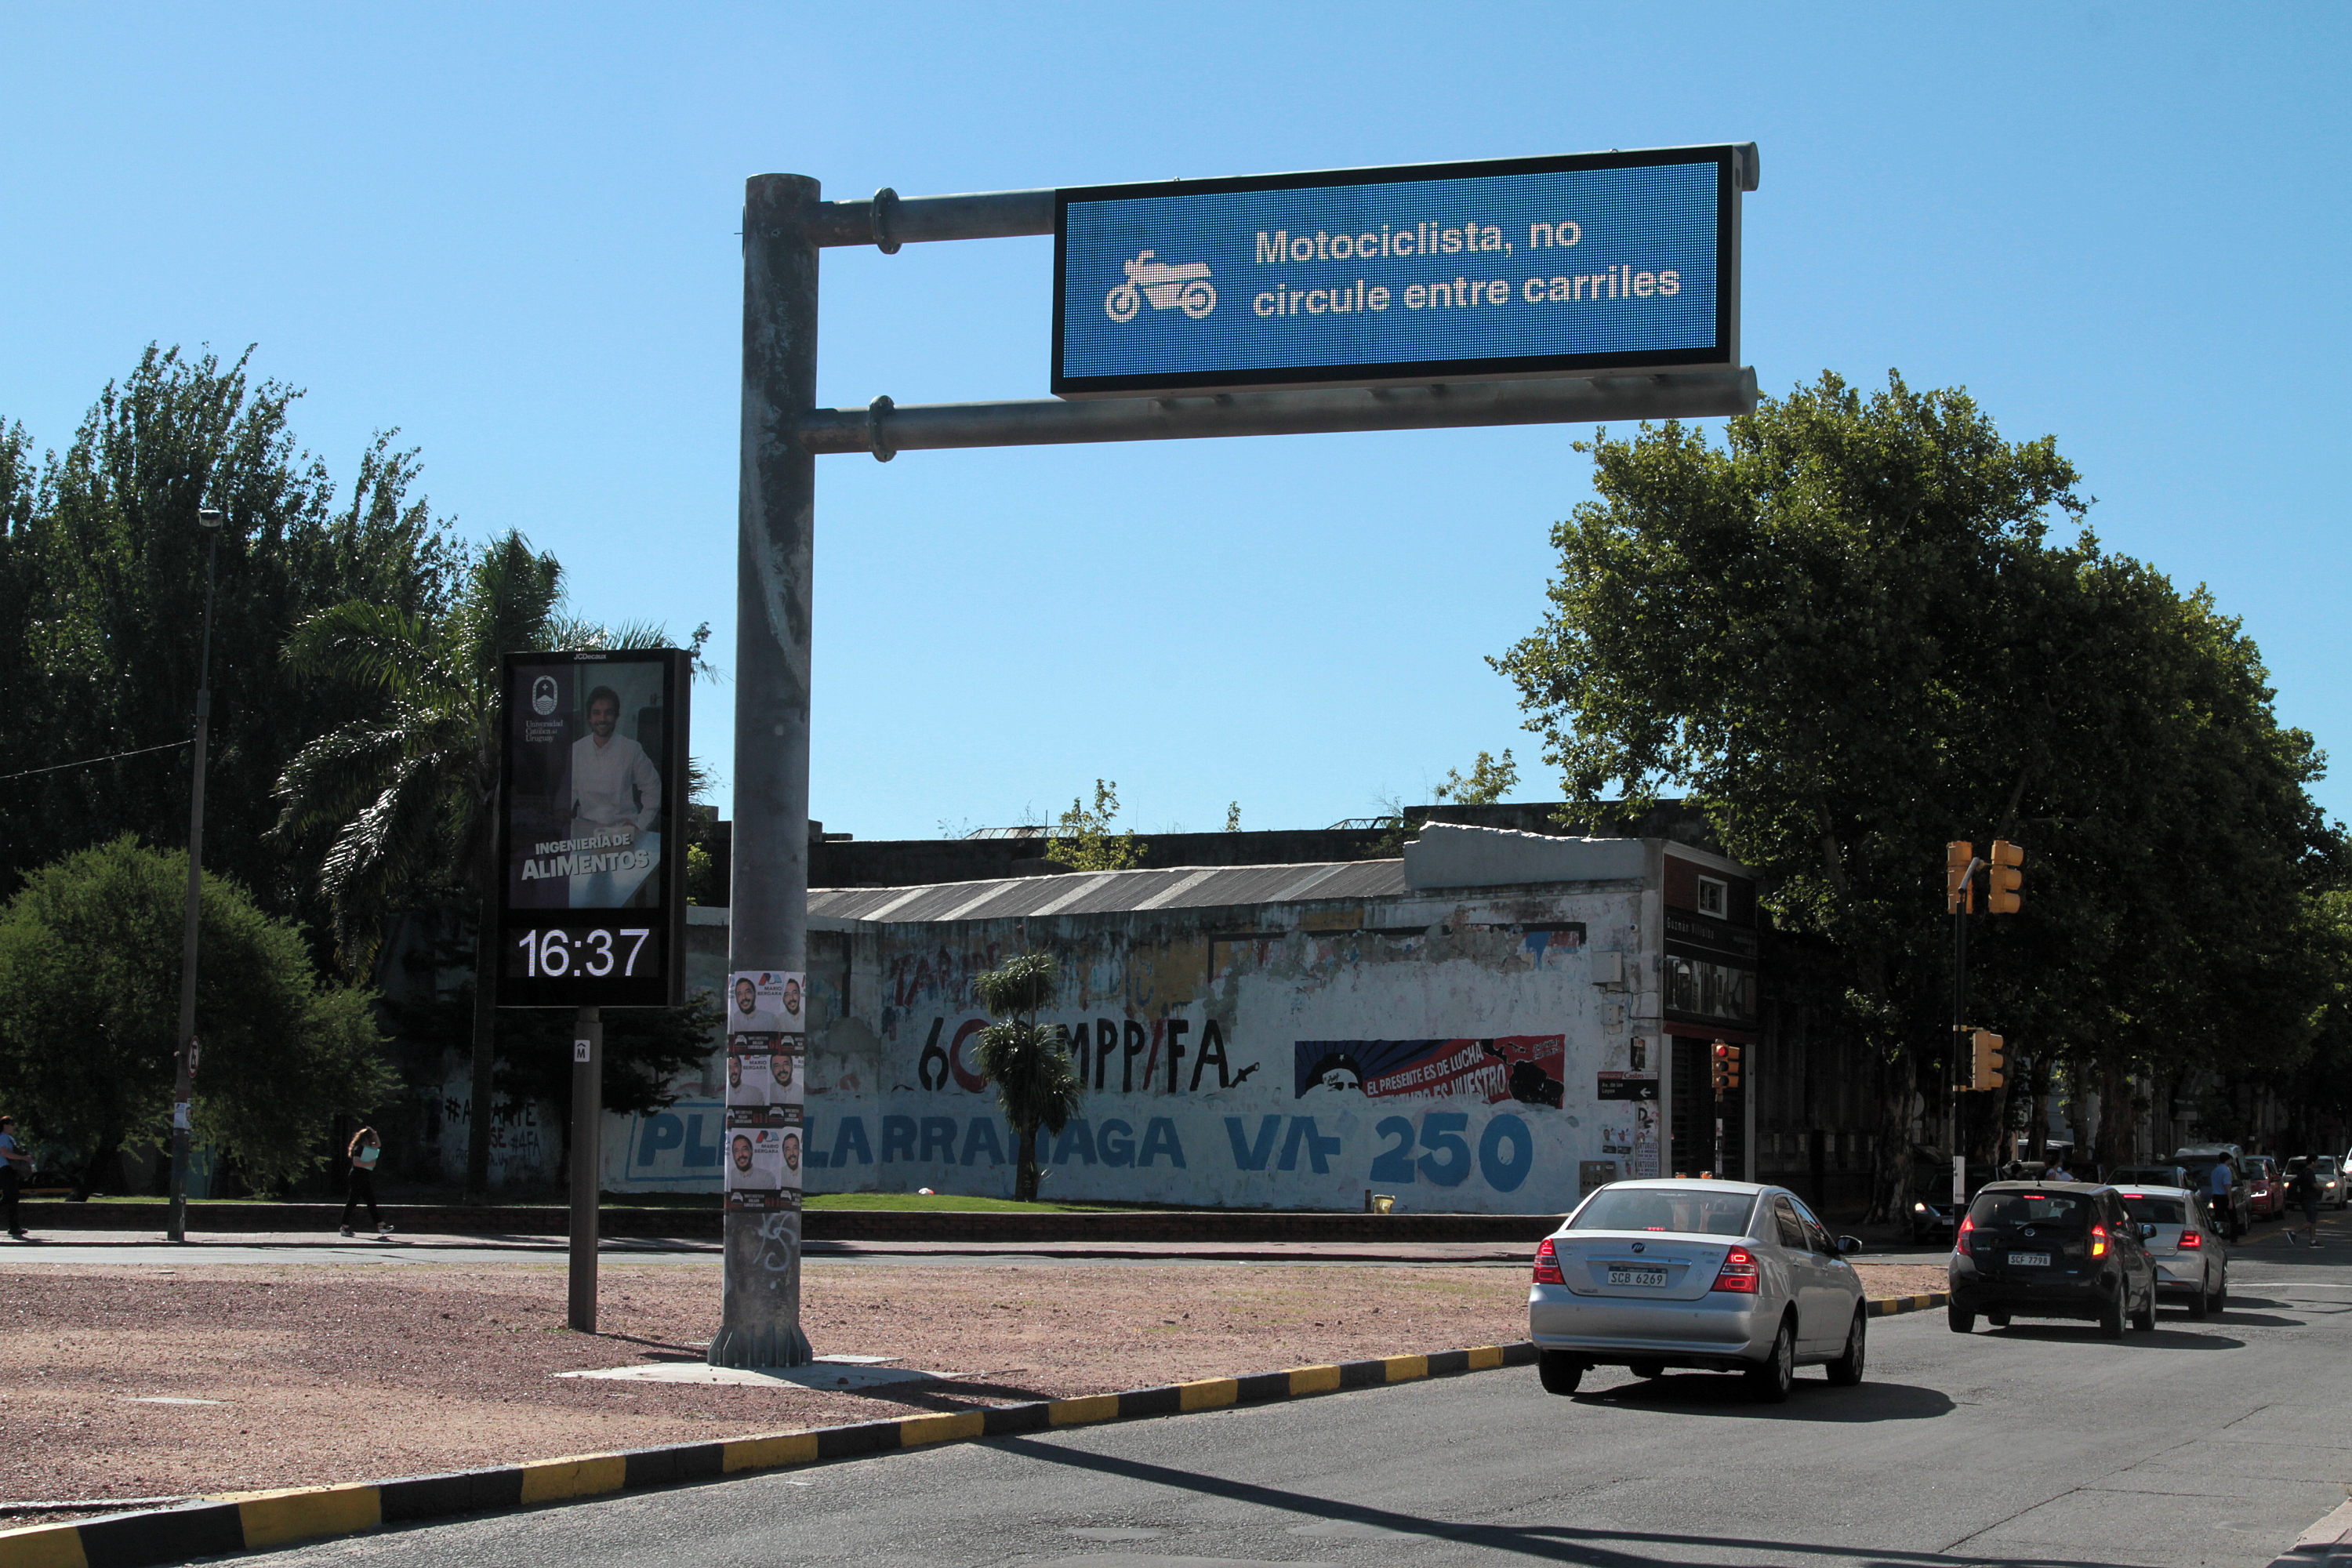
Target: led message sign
592	812
1438	272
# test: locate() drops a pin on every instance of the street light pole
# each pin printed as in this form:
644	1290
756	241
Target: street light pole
183	1074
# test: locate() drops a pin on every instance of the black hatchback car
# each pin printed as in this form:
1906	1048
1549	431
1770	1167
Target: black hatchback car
2051	1249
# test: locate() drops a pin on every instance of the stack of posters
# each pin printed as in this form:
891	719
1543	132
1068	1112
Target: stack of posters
767	1054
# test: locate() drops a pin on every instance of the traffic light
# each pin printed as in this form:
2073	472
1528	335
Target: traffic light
2004	882
1958	856
1985	1071
1726	1067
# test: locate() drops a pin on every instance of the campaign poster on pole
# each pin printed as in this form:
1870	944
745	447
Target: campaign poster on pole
766	1047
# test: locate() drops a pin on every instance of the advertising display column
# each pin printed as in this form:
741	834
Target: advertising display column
592	881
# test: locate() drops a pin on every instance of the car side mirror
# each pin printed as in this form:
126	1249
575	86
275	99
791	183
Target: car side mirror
2148	1233
1848	1245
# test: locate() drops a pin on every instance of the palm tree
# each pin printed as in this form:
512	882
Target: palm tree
1037	1085
406	796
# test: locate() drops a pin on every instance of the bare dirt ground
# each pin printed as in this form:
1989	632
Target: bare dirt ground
316	1373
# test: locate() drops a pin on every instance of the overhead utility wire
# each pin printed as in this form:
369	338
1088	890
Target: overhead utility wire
90	761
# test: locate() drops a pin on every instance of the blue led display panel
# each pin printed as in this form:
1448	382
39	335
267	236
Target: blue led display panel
1518	267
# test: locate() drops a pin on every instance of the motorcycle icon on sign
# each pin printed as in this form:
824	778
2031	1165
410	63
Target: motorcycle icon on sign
1182	286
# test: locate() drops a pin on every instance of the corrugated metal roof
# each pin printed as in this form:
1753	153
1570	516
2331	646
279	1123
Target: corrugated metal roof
1113	892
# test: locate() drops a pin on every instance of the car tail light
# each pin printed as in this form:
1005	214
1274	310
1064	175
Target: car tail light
1548	1264
2098	1241
2191	1238
1960	1241
1738	1272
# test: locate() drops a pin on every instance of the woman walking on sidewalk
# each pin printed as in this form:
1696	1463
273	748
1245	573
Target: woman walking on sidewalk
366	1147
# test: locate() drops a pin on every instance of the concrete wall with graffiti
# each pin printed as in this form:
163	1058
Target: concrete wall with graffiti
1449	1052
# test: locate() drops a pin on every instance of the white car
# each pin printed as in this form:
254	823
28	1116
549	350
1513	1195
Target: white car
1723	1275
2190	1259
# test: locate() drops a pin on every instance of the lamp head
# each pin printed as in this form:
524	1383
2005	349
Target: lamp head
210	518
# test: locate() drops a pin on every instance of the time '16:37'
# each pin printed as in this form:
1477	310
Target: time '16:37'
552	953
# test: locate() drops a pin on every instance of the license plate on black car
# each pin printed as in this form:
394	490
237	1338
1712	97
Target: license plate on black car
1652	1277
2028	1261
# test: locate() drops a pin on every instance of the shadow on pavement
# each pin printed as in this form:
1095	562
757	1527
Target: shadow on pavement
1550	1543
2164	1339
1726	1393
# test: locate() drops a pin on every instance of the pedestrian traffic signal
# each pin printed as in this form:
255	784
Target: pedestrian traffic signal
2004	882
1959	857
1726	1067
1990	1061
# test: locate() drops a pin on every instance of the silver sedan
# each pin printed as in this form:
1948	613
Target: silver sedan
1723	1275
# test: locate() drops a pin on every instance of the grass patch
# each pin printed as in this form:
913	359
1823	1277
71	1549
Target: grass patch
936	1201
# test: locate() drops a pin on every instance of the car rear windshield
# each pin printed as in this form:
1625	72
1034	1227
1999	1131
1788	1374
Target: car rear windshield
1708	1211
2156	1211
2061	1209
2147	1175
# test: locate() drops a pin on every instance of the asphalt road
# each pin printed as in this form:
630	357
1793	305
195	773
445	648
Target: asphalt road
2212	1443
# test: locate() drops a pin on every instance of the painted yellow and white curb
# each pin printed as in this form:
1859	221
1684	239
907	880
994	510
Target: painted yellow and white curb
258	1522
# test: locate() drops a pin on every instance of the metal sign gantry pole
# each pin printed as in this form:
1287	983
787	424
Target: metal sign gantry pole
785	223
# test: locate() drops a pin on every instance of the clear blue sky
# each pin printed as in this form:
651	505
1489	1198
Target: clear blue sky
510	230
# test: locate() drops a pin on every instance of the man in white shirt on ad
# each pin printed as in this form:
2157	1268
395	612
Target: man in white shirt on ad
616	798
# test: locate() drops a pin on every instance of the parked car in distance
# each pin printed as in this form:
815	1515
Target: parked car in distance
2265	1193
1719	1276
2198	1162
2150	1176
2333	1188
2191	1263
2051	1249
1933	1212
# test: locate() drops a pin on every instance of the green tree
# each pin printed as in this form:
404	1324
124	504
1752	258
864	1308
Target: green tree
403	800
404	797
1846	635
102	600
1489	781
89	974
1082	841
1037	1084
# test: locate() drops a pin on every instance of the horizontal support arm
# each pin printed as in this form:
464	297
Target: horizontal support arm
888	220
885	429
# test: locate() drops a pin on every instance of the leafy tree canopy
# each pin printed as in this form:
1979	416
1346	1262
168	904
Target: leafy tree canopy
89	979
101	604
1489	780
1082	841
1847	634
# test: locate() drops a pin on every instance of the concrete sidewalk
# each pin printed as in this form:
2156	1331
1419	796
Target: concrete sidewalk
85	1246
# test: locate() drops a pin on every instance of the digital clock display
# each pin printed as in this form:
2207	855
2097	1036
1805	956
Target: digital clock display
592	829
586	965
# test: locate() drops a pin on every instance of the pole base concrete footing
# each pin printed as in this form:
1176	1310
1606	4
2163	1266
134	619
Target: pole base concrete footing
781	1344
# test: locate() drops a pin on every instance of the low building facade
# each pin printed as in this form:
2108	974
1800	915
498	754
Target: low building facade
1495	1023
